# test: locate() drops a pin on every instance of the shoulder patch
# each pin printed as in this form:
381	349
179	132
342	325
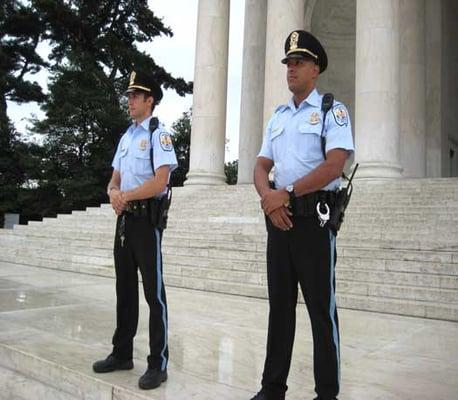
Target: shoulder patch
340	115
166	141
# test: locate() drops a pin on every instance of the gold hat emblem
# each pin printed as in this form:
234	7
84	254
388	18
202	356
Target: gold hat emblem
293	40
132	78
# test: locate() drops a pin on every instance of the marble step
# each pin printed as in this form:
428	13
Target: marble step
41	378
404	233
237	278
344	272
350	295
211	204
413	273
222	241
370	212
59	265
18	386
402	306
353	221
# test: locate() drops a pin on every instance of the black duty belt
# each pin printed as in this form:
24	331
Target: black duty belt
138	208
304	206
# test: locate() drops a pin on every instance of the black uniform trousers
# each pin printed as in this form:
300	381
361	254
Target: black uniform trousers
306	254
141	250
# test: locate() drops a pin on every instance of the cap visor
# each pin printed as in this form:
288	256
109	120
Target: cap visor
293	56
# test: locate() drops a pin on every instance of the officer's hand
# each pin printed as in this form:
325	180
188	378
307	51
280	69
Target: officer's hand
274	199
281	218
116	201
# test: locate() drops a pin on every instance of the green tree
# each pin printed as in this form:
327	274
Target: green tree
94	49
20	32
230	169
181	140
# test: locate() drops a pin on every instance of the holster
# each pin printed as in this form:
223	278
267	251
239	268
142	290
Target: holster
158	212
338	210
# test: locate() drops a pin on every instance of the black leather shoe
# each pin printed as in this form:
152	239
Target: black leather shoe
152	378
111	364
259	396
263	396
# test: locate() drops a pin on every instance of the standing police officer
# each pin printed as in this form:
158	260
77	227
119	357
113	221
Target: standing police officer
301	247
137	241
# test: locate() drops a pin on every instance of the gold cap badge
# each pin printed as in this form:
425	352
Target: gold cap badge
132	78
293	40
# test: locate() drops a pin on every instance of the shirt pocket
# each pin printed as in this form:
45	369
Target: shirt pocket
276	131
123	152
277	140
141	163
308	141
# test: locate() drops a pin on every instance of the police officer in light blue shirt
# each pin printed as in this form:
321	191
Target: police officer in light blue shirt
132	158
137	181
293	138
301	246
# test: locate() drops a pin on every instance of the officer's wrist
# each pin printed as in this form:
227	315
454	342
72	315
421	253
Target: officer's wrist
285	196
109	190
126	196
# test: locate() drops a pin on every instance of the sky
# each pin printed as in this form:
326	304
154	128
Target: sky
176	55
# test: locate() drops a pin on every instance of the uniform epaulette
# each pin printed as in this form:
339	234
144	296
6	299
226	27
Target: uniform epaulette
280	108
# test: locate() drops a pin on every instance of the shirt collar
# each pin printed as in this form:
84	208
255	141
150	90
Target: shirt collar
313	99
144	124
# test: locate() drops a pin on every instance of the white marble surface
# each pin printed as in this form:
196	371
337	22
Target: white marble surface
377	89
412	88
282	18
433	63
53	325
209	97
252	99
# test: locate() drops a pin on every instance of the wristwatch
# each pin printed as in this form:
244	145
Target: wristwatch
292	195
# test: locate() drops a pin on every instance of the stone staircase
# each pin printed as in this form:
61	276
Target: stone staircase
397	251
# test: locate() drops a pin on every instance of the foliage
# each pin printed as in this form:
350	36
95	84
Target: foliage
181	141
231	169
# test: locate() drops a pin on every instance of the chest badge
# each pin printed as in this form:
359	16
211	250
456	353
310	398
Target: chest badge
143	144
314	118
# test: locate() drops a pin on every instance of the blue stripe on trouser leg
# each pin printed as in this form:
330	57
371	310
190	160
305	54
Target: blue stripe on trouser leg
159	296
332	303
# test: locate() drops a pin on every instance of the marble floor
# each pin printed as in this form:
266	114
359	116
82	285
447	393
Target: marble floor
54	318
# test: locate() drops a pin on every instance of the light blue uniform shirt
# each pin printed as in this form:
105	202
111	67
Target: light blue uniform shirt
292	140
132	158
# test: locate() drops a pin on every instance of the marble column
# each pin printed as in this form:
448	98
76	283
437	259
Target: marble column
434	127
377	89
252	101
413	88
282	18
209	98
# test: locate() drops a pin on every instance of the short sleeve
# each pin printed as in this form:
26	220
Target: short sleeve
266	148
338	129
163	151
116	164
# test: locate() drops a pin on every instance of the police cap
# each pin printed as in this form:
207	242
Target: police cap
303	44
139	81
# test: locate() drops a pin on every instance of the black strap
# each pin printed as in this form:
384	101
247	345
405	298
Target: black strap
153	125
326	104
